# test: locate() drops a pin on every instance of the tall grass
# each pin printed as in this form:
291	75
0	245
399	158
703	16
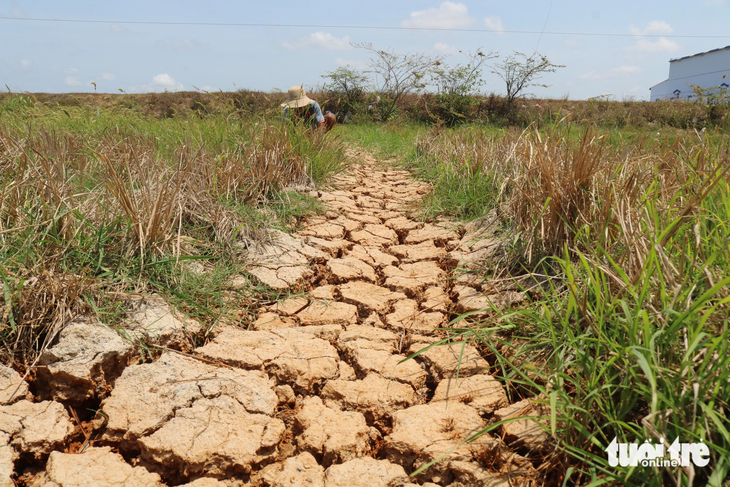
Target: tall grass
463	167
97	201
630	335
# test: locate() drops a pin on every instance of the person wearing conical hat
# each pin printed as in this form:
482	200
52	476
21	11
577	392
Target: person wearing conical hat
303	107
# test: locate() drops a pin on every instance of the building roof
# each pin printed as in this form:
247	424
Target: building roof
699	54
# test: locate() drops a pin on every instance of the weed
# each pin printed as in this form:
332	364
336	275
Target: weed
95	203
630	337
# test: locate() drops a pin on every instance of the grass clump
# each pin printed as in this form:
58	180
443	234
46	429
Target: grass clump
461	166
635	331
94	203
629	334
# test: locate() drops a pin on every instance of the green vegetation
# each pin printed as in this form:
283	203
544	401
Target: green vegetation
520	71
386	141
627	333
95	202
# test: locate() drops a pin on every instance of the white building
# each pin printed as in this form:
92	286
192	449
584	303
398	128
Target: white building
706	69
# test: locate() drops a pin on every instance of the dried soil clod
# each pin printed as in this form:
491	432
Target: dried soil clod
407	317
425	432
84	362
332	435
290	355
216	436
291	306
328	313
12	386
35	428
370	296
7	458
375	235
156	324
524	433
480	391
348	268
413	277
430	232
365	472
147	396
374	396
96	466
445	361
302	469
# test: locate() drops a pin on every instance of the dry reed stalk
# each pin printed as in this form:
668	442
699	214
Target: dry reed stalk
41	308
148	192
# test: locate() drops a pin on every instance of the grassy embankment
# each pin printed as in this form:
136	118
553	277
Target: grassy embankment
629	336
100	201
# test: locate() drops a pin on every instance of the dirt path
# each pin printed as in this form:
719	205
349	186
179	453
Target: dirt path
316	393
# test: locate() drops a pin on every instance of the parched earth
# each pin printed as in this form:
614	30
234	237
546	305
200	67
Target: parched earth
317	392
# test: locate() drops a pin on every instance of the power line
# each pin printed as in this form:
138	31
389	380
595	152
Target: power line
362	27
544	26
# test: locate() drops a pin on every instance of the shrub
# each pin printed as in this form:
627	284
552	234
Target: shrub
348	87
456	88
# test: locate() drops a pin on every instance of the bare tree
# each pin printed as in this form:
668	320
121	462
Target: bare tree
462	79
396	75
349	86
520	71
457	87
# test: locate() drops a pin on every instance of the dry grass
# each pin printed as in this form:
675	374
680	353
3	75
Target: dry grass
591	197
90	205
629	337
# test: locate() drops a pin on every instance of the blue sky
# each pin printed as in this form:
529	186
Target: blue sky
61	56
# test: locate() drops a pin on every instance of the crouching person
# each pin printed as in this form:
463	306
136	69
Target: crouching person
304	108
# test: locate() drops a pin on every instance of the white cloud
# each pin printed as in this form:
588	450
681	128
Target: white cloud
449	15
73	81
655	27
445	48
660	45
25	63
167	82
626	70
117	28
107	77
182	45
320	40
494	23
571	42
621	71
354	64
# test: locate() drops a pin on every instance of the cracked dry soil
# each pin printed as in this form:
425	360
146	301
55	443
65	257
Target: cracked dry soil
315	393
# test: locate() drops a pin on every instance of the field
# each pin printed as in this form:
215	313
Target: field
613	217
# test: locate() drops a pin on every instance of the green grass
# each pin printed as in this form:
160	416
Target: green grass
386	140
461	188
93	202
465	186
630	336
